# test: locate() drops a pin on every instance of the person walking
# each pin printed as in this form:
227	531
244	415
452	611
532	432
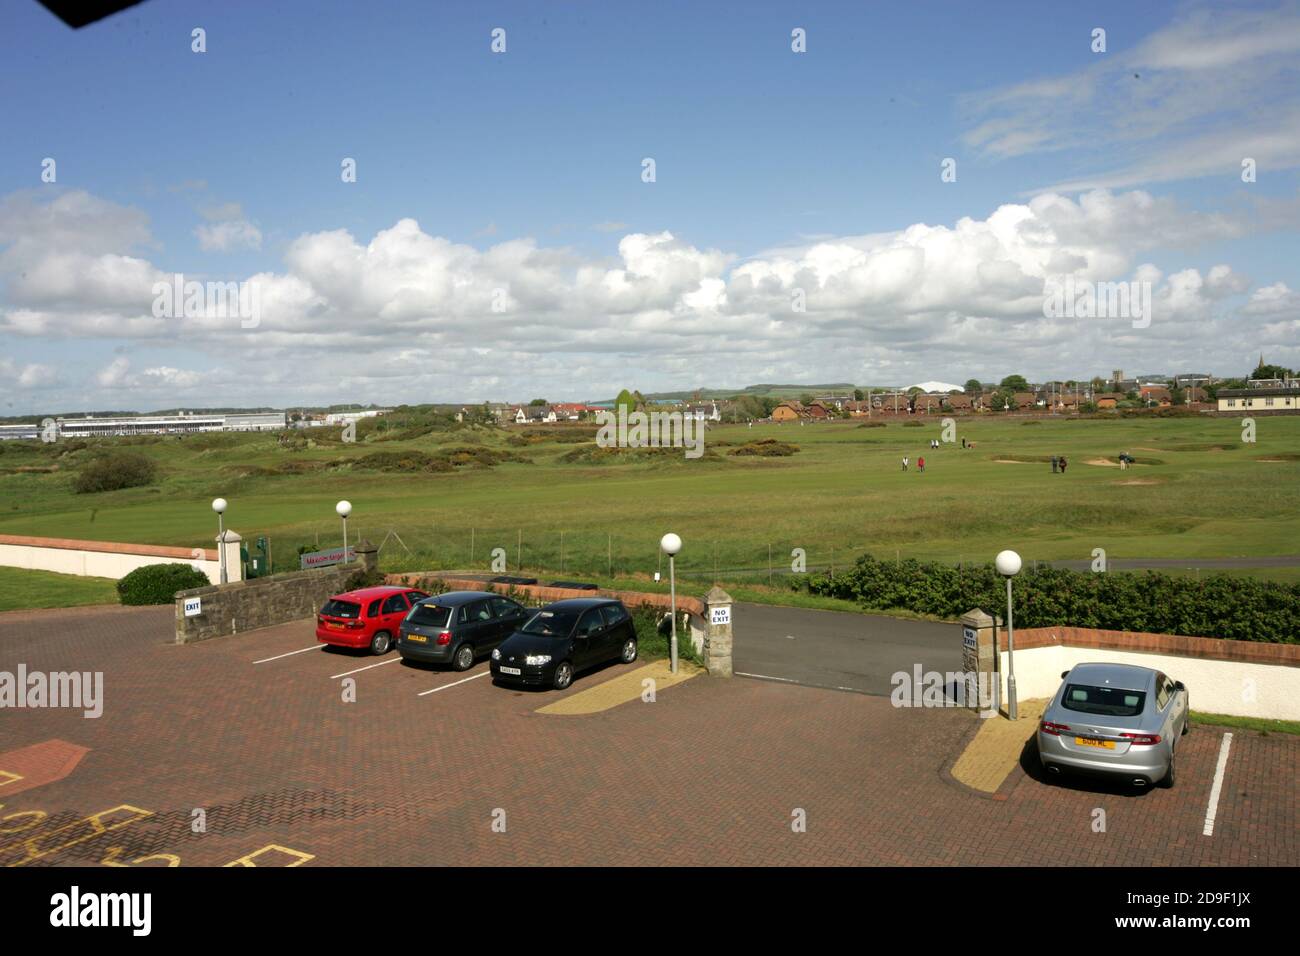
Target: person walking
1063	464
920	465
1055	463
904	463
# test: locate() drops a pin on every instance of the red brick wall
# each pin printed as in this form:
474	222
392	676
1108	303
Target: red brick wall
547	595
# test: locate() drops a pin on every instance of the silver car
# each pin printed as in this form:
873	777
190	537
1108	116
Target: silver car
1117	720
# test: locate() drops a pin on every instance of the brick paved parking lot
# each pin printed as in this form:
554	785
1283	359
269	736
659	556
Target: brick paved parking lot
260	739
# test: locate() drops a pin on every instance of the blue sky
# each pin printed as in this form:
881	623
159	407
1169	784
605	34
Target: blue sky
225	164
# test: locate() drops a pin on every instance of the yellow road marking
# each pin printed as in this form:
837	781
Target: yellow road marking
995	750
33	848
297	856
621	689
7	778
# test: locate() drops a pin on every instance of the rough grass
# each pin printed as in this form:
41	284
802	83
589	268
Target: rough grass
843	494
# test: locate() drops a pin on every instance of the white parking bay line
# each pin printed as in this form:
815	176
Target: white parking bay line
366	668
783	680
1213	809
290	654
452	684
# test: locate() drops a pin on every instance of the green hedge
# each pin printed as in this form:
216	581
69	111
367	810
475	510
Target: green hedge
158	583
1220	605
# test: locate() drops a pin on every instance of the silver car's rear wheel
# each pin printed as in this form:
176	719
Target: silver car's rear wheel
1168	781
464	657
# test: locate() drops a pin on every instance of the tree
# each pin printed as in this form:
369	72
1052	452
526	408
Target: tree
806	398
1002	398
973	386
857	395
1271	371
538	401
625	403
1015	383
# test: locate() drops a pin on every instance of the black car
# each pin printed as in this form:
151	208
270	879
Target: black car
457	627
564	638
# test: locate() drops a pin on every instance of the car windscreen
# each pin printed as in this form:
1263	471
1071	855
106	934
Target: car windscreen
429	615
337	608
551	623
1103	701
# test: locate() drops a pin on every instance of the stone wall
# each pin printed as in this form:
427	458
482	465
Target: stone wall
261	602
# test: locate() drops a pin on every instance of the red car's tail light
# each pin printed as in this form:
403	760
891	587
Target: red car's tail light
1144	739
1055	730
444	637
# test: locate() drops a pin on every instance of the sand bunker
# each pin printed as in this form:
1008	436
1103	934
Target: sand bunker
1103	462
1139	481
1011	461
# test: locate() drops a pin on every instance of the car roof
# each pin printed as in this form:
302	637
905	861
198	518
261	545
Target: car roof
1122	676
457	598
579	604
367	594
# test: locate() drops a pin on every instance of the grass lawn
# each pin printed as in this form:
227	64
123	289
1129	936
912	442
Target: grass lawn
1264	725
1197	491
20	588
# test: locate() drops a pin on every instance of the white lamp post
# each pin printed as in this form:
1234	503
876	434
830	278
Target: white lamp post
1008	564
219	506
671	544
344	508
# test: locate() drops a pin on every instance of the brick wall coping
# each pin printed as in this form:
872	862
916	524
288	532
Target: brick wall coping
1211	648
546	595
108	547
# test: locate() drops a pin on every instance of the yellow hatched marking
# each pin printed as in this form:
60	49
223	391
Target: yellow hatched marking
296	857
7	777
995	749
621	689
47	844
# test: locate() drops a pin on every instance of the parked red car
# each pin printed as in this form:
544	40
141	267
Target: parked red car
369	617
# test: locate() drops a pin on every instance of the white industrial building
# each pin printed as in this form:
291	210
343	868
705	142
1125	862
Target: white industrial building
184	423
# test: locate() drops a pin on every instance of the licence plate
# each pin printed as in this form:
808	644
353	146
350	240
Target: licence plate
1090	742
333	626
417	638
510	670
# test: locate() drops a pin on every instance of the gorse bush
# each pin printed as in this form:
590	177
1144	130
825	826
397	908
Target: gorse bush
158	583
1213	606
114	471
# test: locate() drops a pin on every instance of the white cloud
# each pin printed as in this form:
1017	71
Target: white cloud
227	235
386	318
1147	109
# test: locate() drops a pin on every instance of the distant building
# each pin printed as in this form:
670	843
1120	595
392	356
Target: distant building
790	411
344	418
16	432
1280	397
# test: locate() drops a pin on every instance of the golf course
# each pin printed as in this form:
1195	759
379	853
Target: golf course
548	501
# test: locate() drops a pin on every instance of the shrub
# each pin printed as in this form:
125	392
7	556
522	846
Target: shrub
872	425
913	423
766	448
116	470
158	583
1215	606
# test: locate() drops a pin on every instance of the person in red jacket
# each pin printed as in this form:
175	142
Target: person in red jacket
920	464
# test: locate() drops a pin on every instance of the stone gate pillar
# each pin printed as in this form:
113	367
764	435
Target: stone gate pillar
368	555
717	632
980	663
